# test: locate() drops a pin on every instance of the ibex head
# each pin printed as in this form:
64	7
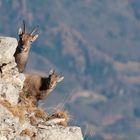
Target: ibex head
54	78
25	39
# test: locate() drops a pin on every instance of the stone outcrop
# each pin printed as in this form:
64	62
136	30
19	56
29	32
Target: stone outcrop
18	122
11	81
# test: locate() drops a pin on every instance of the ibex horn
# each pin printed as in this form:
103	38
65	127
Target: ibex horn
24	27
34	30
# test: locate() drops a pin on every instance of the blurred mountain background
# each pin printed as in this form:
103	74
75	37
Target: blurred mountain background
95	45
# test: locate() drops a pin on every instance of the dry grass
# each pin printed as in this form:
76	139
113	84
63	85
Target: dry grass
26	110
30	107
33	120
26	132
89	130
29	133
24	99
61	114
20	110
40	113
16	110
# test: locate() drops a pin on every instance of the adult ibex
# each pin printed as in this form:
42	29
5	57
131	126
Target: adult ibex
37	88
24	45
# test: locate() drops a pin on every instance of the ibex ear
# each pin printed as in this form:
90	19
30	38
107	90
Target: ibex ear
19	31
60	79
34	37
51	72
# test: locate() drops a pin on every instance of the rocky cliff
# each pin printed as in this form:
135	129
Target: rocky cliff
23	122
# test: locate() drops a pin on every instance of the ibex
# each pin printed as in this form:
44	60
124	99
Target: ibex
24	45
36	87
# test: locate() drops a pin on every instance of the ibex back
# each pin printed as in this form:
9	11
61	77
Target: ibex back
36	87
24	45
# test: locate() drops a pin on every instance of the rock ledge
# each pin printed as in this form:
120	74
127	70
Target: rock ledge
11	126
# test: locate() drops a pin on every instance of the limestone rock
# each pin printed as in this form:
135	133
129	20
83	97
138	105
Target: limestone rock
9	92
7	49
11	81
60	133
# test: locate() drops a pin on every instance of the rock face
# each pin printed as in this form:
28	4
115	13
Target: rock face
11	81
11	126
7	49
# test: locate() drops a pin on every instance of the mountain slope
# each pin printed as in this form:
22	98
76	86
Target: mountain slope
95	45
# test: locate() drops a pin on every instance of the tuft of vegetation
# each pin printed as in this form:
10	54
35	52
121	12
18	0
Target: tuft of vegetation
23	111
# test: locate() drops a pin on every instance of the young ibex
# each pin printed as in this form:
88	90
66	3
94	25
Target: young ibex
36	87
24	45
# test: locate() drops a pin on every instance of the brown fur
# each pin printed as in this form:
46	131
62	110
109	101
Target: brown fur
37	88
23	48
